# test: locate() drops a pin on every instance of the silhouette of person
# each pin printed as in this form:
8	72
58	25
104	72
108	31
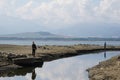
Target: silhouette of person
105	45
33	48
33	75
105	50
105	54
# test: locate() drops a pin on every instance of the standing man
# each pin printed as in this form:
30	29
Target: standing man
33	49
105	46
105	50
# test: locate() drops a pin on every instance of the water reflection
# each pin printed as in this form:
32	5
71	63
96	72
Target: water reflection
33	74
73	68
19	72
105	50
105	54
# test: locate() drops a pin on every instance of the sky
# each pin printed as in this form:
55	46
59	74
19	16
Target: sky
67	17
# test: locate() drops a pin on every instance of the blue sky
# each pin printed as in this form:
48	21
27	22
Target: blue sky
56	15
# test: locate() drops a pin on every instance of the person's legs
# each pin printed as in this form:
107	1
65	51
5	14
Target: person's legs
33	52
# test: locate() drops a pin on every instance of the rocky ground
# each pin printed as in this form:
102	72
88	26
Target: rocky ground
106	70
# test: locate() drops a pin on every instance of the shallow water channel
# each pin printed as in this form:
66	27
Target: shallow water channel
72	68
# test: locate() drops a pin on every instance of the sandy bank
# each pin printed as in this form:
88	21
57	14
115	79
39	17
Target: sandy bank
106	70
43	50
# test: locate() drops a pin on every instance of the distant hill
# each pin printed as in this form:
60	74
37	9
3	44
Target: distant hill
49	36
32	35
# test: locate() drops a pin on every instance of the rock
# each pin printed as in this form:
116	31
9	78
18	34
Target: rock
12	56
32	61
118	57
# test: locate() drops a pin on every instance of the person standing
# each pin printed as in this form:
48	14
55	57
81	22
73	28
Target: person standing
105	46
33	48
105	50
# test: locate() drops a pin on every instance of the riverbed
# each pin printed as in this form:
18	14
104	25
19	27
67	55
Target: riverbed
72	68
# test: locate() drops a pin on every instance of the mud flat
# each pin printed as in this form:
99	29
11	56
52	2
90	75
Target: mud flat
46	53
106	70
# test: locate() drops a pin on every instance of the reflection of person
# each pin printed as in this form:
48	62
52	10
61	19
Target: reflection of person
33	75
33	48
105	54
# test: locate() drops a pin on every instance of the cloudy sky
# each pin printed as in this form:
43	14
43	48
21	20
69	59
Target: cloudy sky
59	16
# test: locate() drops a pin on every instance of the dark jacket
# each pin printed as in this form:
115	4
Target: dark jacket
34	47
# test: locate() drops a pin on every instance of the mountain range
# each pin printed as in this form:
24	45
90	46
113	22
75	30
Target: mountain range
50	36
32	35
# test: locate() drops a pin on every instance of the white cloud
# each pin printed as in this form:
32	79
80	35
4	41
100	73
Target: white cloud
7	7
62	72
1	4
65	12
55	11
109	10
24	11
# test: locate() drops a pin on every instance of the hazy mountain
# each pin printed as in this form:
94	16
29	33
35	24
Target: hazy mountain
33	35
50	36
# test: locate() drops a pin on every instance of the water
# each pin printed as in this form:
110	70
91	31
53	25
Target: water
72	68
39	42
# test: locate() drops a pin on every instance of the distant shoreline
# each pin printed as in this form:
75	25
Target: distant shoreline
61	39
55	49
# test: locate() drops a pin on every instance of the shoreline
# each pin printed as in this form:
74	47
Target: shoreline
52	51
106	70
47	53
